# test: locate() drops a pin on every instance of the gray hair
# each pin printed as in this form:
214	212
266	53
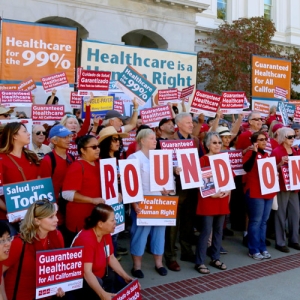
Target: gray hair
209	136
180	116
143	134
253	113
282	133
106	122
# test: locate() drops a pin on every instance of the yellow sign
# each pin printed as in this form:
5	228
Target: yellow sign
100	104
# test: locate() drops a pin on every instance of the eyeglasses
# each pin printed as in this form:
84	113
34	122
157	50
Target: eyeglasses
256	119
39	203
94	147
7	240
216	143
262	139
114	139
5	115
289	137
40	132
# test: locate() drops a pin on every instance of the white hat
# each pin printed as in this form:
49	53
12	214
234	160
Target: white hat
222	130
110	131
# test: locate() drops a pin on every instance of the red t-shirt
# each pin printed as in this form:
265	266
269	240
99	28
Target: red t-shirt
132	148
211	206
83	178
243	140
11	173
94	251
26	287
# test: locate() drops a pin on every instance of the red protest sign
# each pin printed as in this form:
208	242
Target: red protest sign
131	291
55	81
280	92
168	95
232	102
236	161
297	113
286	176
119	106
206	103
93	81
187	91
127	141
13	98
75	100
62	268
27	85
152	116
47	112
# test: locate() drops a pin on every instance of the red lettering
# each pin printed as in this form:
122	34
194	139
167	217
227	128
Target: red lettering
157	170
131	191
267	168
109	177
189	169
295	171
219	165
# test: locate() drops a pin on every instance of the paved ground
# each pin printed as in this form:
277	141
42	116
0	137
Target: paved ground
245	278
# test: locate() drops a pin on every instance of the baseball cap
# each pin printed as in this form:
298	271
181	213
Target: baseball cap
204	128
164	121
114	114
60	131
276	127
294	126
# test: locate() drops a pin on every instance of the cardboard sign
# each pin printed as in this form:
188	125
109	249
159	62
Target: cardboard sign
99	106
208	187
130	292
131	182
161	170
263	108
27	85
232	102
188	161
294	171
119	217
152	116
136	85
118	105
187	91
221	171
236	162
19	196
157	211
297	114
109	180
47	112
62	268
267	172
15	98
286	176
280	92
168	95
205	103
75	100
93	81
55	81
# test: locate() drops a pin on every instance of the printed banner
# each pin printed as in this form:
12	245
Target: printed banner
36	50
152	116
15	98
263	108
55	81
297	114
187	91
9	87
127	141
205	103
168	95
280	93
236	162
232	102
27	85
294	172
130	292
119	217
99	106
286	176
157	211
47	112
61	268
290	109
118	105
208	187
268	73
19	196
75	100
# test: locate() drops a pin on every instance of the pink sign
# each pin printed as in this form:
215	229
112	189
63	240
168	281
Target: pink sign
13	98
47	112
119	106
55	81
206	103
232	102
280	92
75	100
187	91
127	141
152	116
297	113
286	176
131	291
168	95
236	161
27	85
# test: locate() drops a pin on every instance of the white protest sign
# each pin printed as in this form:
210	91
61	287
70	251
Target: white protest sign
222	173
294	171
131	183
267	172
188	161
161	170
109	180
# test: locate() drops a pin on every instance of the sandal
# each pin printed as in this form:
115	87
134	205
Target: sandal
202	270
217	264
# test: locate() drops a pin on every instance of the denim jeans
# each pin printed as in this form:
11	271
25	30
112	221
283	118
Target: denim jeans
258	210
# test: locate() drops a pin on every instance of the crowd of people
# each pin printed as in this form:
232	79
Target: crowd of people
69	153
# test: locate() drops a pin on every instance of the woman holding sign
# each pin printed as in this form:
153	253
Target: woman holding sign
37	232
258	205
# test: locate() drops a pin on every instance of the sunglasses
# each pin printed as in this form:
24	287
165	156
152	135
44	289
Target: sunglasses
5	115
7	240
289	137
94	147
256	119
262	139
39	203
114	139
70	116
216	143
40	132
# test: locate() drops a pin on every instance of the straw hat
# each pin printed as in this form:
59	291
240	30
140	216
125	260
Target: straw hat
222	130
5	110
110	131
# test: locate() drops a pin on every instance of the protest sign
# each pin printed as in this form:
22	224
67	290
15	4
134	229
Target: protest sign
157	211
131	183
152	116
222	173
96	82
119	217
176	144
59	268
168	95
290	109
55	81
187	91
208	187
1	178
75	100
99	106
47	112
283	113
15	98
267	172
161	170
27	85
294	171
263	108
129	292
19	196
118	105
286	176
205	103
9	87
127	141
297	114
280	92
109	180
188	161
136	85
236	162
232	102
